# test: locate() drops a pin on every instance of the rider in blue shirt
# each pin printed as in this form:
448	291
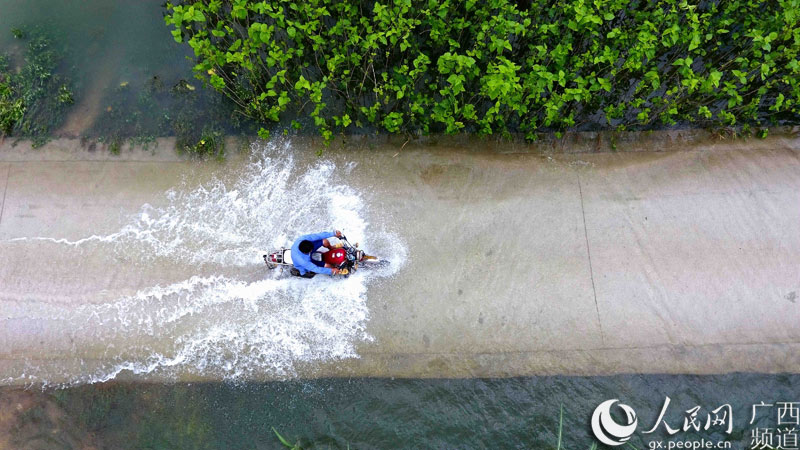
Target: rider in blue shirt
304	246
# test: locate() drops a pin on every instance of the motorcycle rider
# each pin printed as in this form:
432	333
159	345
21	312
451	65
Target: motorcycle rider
305	246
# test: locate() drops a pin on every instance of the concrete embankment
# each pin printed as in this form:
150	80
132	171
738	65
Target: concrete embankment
513	263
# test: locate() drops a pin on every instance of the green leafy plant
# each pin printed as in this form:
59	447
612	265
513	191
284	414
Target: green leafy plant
493	67
115	146
65	95
33	97
210	143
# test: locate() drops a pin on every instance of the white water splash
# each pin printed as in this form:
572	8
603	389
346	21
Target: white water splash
222	326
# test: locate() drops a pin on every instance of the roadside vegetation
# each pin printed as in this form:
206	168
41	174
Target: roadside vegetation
498	67
33	96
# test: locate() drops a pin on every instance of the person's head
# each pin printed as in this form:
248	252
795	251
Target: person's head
306	247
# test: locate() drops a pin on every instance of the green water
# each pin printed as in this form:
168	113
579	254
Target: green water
383	413
109	41
128	39
130	79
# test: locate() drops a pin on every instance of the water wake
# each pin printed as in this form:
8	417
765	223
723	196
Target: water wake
250	324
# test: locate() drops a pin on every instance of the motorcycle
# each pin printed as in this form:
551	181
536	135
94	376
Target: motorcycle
348	258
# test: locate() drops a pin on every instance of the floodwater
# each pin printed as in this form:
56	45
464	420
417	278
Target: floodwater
130	79
115	303
384	413
188	265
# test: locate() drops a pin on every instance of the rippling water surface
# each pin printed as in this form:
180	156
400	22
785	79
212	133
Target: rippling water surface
234	318
383	413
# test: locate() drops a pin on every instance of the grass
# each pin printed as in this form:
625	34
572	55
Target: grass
285	442
36	93
559	443
560	425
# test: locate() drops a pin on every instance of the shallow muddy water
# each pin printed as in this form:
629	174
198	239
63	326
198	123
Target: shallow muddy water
129	78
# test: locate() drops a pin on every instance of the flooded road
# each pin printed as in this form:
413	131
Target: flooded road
501	264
